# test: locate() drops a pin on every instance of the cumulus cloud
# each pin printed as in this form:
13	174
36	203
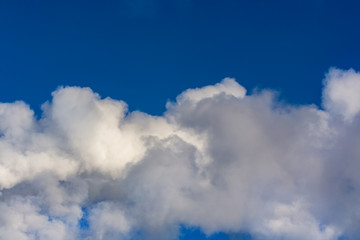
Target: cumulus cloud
217	159
341	94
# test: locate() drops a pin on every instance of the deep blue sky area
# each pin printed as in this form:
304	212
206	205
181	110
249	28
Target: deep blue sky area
148	51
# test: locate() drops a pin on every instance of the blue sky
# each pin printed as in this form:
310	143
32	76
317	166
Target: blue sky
152	49
146	52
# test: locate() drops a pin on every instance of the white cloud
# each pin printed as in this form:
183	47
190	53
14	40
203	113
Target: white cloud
341	94
108	221
218	159
20	219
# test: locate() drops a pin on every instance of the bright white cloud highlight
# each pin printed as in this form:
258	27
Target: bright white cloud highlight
341	94
218	159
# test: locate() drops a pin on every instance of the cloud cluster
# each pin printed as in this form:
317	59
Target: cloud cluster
218	159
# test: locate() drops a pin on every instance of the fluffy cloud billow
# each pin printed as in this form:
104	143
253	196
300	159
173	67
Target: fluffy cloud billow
218	159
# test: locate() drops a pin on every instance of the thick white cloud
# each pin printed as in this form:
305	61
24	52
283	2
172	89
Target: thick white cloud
217	159
341	94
